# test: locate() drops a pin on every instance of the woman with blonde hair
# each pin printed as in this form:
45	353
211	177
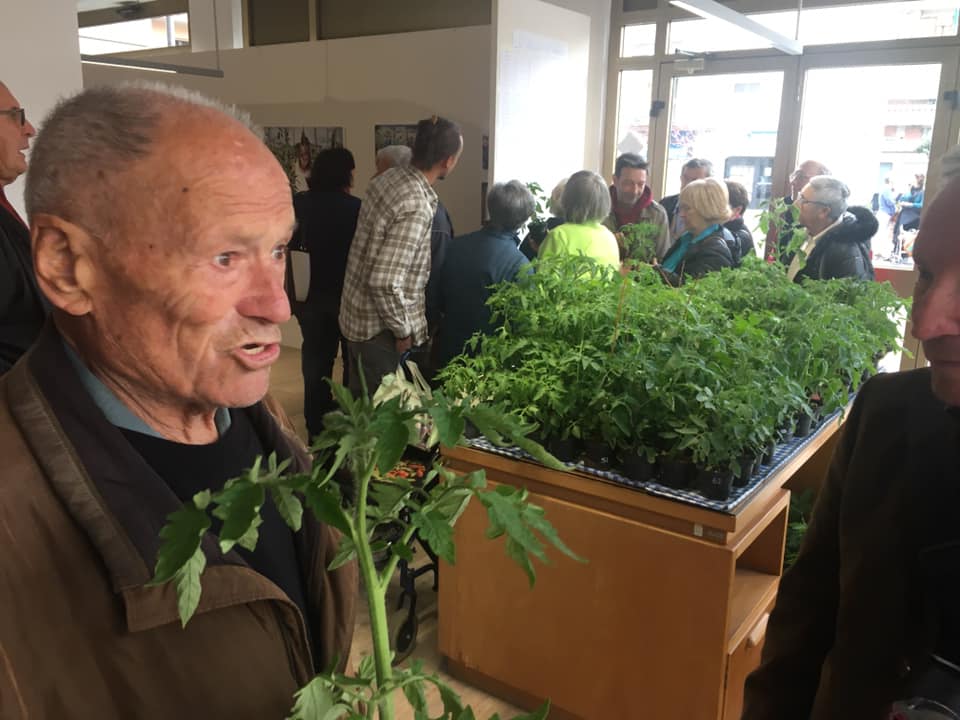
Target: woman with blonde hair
586	204
704	206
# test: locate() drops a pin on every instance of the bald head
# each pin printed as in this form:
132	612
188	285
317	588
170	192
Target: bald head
802	175
95	143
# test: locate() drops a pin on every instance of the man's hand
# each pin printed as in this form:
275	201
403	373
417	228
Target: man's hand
403	344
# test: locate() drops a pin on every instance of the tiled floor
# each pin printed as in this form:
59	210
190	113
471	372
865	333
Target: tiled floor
286	385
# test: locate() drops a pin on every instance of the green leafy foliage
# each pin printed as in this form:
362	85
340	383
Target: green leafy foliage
707	372
801	508
361	441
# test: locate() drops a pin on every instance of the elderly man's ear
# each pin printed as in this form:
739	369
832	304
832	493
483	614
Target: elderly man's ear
63	263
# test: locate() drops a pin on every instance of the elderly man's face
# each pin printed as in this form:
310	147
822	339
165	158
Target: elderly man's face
630	184
814	216
14	138
689	174
189	307
936	297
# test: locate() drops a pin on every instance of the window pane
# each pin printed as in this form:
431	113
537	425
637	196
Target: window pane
633	113
719	36
741	145
883	21
638	40
823	26
877	129
143	34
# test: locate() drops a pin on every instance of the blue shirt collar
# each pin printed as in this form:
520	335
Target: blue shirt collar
113	408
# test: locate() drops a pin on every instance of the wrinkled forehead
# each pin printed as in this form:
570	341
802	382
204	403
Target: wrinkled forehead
938	240
7	100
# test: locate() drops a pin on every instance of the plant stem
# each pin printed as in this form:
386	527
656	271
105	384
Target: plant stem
376	595
394	560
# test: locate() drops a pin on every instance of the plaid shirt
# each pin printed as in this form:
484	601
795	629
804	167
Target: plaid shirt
389	262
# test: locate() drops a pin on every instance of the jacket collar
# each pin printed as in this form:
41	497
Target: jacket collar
118	501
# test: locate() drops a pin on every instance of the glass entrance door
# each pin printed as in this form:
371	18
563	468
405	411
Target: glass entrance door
731	119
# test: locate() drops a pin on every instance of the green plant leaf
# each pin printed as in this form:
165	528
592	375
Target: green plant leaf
414	692
238	505
435	529
187	580
402	551
346	552
467	714
316	701
535	517
324	501
448	420
392	431
289	506
181	539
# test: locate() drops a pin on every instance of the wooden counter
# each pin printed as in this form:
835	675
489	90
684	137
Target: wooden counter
664	622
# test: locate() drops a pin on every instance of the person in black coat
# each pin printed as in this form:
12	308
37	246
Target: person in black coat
838	243
739	201
23	308
477	261
327	220
705	244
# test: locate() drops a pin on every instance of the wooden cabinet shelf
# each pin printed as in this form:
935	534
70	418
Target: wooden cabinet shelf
665	620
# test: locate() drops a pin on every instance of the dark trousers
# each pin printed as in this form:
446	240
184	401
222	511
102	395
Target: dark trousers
377	356
321	340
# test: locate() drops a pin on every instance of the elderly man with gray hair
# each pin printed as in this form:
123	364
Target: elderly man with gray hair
838	236
477	261
159	222
392	156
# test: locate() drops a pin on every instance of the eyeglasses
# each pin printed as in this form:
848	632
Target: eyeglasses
797	174
801	201
14	112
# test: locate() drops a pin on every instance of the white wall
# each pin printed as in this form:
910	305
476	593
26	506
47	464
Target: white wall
39	58
357	83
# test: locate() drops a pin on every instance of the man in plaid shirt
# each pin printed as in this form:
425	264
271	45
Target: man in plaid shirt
382	308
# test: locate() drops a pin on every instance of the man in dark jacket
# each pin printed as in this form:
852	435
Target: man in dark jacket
861	611
22	306
160	224
631	202
693	169
477	261
838	237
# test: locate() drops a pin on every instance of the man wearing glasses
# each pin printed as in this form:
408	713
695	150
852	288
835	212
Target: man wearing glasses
22	306
776	245
838	236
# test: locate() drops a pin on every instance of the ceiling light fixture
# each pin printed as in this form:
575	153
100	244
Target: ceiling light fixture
711	10
130	63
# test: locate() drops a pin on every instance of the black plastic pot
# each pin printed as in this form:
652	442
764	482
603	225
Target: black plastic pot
564	450
470	430
757	462
637	467
804	425
768	453
747	470
598	453
676	474
714	484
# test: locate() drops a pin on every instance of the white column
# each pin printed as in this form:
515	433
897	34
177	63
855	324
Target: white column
229	26
39	60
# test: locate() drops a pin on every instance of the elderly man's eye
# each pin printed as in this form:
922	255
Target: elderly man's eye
280	252
223	259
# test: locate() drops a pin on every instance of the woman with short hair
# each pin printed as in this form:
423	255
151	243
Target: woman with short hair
704	206
586	204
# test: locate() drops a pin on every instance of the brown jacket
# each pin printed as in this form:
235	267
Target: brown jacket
851	616
81	636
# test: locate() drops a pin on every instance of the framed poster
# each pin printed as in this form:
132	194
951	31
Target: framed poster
384	135
296	147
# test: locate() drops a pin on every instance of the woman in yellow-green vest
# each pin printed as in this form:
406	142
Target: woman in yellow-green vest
586	203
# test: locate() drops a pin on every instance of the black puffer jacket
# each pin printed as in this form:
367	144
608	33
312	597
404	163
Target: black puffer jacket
742	236
711	253
843	251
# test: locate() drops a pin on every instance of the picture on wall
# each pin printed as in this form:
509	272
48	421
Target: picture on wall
384	135
295	148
